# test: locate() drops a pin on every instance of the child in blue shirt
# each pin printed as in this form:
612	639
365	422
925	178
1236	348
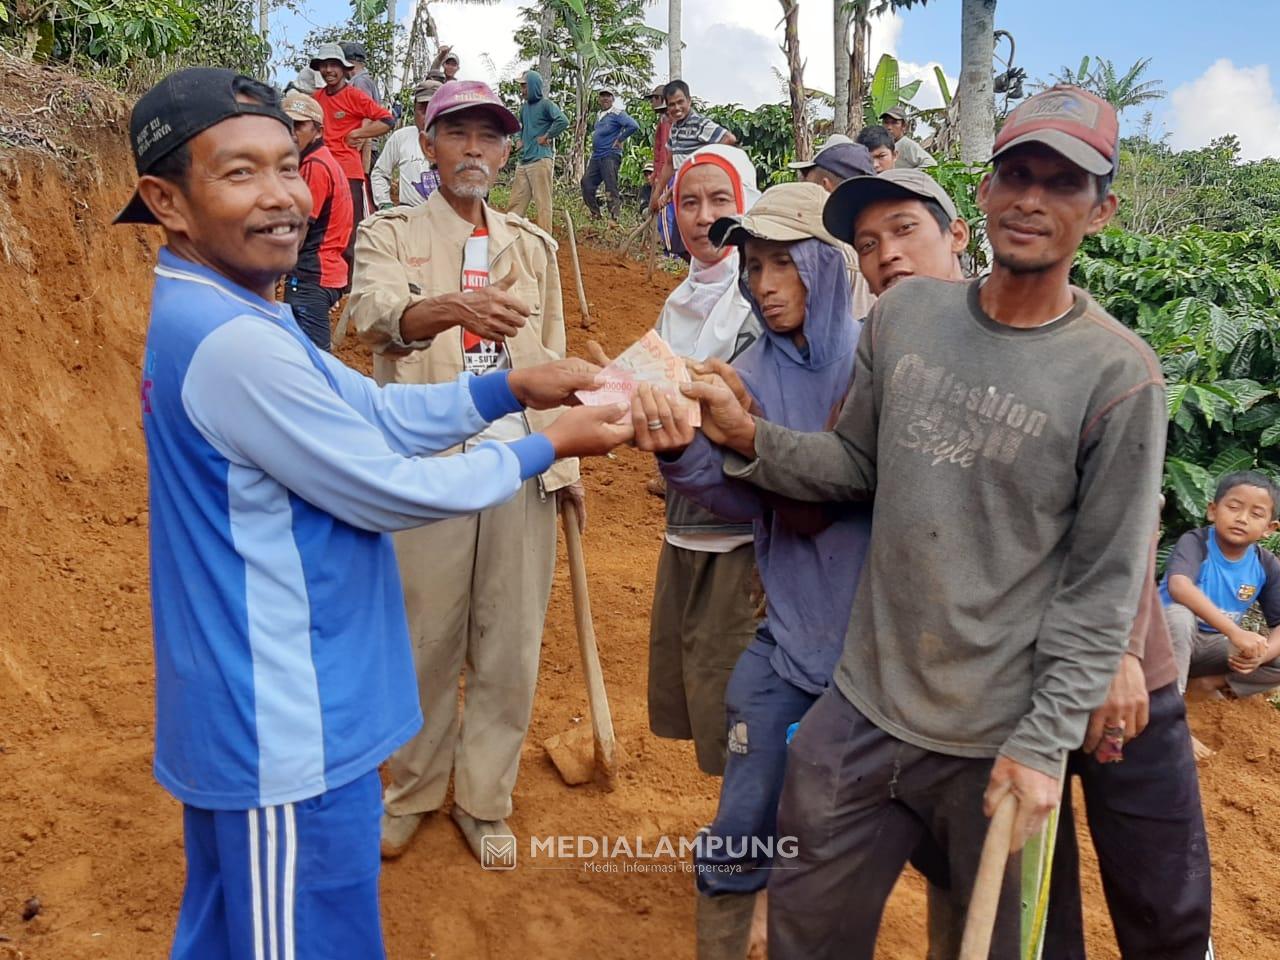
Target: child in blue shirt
1214	576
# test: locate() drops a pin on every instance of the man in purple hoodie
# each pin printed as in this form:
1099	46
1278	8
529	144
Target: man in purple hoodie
809	557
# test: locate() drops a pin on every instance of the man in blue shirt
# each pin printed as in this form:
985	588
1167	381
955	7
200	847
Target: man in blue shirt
612	128
283	668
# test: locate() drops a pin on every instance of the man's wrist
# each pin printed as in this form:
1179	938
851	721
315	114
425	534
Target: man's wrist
424	320
743	438
493	395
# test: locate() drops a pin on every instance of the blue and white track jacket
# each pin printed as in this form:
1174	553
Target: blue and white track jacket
283	666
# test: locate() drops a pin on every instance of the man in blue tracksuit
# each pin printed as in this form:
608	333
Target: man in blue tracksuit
283	668
612	128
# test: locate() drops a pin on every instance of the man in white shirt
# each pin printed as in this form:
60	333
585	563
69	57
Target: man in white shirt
404	151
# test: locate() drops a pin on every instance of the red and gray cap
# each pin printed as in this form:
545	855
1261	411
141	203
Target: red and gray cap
1073	122
462	95
178	108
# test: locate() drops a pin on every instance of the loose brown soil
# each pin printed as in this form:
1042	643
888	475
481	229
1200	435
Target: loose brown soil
83	826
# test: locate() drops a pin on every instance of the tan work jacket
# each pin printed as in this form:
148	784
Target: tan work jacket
408	254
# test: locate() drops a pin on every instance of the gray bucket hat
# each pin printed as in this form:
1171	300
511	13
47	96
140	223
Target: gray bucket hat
329	51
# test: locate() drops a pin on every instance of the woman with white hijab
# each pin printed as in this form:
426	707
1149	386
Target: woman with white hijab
704	603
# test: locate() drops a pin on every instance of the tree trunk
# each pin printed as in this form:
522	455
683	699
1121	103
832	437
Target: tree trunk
977	120
843	21
581	122
675	65
795	68
858	70
545	30
264	25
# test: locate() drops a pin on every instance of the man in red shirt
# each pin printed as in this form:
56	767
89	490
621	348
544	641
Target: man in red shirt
321	274
351	116
658	101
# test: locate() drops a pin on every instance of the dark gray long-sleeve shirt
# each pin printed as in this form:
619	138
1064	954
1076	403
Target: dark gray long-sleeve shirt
1015	474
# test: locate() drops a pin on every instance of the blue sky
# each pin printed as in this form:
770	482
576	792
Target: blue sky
1222	72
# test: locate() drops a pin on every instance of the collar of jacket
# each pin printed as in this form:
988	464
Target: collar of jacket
446	225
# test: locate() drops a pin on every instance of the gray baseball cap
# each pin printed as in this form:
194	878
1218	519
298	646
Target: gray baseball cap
853	196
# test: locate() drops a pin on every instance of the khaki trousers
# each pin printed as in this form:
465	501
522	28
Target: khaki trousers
476	591
704	615
533	182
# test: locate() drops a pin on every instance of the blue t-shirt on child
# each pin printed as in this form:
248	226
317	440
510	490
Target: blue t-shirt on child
1233	585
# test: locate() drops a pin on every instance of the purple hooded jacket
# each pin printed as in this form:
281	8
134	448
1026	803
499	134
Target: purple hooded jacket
809	580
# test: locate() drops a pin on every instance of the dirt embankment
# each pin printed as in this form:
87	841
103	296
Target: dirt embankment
84	828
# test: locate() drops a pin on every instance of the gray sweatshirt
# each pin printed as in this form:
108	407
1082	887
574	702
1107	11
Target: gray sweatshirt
1015	474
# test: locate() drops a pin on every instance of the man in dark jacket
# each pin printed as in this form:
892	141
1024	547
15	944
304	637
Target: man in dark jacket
612	128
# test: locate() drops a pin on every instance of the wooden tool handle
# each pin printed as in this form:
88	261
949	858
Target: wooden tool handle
597	699
981	920
577	271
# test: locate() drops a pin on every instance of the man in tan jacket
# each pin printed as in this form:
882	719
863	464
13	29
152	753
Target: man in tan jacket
450	286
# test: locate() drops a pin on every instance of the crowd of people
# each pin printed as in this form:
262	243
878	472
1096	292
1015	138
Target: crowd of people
956	551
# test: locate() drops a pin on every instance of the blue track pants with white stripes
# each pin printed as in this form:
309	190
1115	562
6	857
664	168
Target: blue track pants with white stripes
293	882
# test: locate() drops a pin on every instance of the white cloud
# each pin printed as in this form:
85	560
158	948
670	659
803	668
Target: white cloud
731	49
1228	99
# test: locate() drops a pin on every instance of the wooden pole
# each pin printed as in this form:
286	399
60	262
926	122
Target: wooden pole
577	272
981	921
606	761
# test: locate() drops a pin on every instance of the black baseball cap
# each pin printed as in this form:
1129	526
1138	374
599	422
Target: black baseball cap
181	106
354	50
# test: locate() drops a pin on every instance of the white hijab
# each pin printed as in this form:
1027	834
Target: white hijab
704	315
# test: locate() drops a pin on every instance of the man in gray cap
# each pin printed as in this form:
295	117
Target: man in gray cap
360	76
405	151
837	161
901	224
910	154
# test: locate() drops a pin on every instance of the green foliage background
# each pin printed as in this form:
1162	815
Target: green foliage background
1206	302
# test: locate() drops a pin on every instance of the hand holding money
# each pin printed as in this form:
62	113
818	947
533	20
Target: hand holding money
725	421
647	361
708	370
661	421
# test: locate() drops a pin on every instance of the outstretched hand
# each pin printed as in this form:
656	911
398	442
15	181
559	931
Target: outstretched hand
660	421
590	431
724	421
552	384
707	370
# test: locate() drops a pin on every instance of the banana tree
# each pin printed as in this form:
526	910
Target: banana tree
886	91
596	38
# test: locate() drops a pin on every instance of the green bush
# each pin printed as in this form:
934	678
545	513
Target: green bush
1206	302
